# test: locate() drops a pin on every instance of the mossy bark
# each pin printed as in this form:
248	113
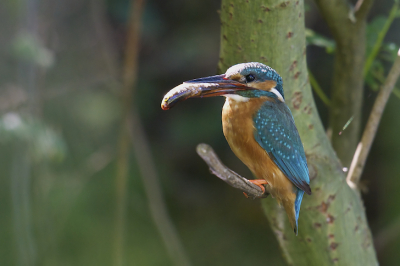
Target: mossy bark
332	226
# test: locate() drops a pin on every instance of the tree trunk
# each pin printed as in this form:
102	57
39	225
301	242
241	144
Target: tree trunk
332	225
349	31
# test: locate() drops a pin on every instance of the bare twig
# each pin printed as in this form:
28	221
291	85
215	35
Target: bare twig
224	173
362	7
102	30
358	5
154	194
357	165
128	81
21	178
132	133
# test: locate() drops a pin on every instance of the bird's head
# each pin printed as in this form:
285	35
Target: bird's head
248	80
258	77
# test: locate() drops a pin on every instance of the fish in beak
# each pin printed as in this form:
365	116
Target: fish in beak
202	87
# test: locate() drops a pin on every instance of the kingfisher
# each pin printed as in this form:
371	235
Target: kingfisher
259	128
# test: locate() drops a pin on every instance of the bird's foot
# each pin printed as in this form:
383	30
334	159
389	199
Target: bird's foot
258	182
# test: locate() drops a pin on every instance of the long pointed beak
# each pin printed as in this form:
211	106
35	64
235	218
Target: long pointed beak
203	87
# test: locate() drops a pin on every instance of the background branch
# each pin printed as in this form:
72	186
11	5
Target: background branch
132	132
362	8
347	87
129	73
155	198
364	146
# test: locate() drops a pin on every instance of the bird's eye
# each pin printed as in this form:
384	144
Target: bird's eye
250	77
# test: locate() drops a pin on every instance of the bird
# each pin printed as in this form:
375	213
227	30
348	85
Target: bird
259	128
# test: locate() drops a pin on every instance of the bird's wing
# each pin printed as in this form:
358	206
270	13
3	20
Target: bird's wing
276	133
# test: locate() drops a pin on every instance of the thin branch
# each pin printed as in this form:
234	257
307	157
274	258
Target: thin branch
335	12
102	30
129	73
358	5
357	165
132	132
362	7
381	36
227	175
318	90
155	198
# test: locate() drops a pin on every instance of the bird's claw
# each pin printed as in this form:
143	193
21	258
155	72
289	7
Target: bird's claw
259	183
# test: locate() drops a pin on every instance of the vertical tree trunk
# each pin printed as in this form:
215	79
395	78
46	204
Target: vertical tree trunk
347	93
332	224
349	31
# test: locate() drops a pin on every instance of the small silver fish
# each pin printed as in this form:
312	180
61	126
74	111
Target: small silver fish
183	92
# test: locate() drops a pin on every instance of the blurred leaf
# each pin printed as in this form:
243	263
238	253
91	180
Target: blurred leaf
373	30
377	73
316	39
43	142
371	82
396	91
389	52
377	76
374	70
376	32
27	47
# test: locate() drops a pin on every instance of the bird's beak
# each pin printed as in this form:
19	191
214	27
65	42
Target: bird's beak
202	87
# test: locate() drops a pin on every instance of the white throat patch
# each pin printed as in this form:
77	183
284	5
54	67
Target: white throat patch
277	93
237	98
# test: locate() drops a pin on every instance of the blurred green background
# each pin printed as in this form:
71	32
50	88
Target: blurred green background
60	116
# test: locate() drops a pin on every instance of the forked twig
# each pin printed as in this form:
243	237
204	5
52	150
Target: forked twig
361	154
227	175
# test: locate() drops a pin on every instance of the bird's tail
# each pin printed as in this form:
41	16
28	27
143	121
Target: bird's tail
297	203
293	209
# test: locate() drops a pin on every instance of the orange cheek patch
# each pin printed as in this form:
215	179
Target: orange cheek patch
265	86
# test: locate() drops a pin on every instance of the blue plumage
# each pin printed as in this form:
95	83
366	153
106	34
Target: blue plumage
297	204
277	134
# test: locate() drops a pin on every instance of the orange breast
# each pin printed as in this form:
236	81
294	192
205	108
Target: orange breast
238	126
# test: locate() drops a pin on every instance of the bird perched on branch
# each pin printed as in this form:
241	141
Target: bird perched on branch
259	128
